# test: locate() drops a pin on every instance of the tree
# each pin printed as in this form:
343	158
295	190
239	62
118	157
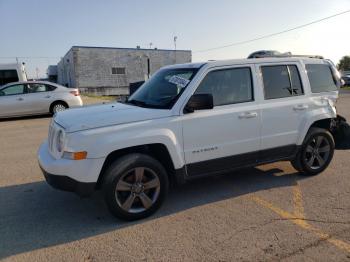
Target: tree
344	64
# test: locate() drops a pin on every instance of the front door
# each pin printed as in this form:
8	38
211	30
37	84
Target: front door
228	135
12	100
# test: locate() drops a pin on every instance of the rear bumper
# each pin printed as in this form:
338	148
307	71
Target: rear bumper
75	102
68	184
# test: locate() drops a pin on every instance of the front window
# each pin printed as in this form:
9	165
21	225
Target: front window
13	90
163	89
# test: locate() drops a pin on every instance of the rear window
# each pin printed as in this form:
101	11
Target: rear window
321	78
281	81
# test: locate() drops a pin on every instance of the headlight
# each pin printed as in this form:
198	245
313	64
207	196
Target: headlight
60	141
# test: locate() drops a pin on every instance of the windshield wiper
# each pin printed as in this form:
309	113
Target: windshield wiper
142	104
136	102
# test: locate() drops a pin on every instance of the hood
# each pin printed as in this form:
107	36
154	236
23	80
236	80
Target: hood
78	119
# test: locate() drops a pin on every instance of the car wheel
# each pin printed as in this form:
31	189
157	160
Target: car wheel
135	186
316	152
58	107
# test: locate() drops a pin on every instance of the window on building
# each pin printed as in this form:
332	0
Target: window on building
281	81
228	86
118	70
321	78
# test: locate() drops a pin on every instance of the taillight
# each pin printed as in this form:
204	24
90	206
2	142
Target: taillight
75	92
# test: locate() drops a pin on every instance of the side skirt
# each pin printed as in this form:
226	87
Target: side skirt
232	163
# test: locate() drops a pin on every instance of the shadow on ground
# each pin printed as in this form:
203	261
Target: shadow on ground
343	138
24	118
35	216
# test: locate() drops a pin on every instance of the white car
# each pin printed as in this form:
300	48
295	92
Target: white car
193	120
33	98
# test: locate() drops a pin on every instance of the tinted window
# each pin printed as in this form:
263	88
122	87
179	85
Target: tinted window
8	76
295	80
228	86
281	81
12	90
321	78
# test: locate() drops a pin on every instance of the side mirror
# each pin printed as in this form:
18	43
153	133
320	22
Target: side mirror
199	102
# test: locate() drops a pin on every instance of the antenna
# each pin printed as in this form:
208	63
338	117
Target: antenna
175	39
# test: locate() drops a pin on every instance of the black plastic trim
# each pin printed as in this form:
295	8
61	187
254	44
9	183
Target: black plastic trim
225	164
68	184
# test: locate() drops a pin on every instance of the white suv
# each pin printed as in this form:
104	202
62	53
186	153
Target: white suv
193	120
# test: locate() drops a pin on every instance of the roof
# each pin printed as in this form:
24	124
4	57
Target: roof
30	82
214	63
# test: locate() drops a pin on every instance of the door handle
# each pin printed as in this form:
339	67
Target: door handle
20	99
47	96
248	115
301	107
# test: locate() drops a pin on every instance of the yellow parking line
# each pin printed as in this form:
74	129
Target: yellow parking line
299	221
298	201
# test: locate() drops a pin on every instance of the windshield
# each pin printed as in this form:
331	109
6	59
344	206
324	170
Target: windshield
163	89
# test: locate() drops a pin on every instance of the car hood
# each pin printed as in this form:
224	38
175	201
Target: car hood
89	117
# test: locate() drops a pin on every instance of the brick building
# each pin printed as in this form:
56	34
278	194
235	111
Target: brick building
109	71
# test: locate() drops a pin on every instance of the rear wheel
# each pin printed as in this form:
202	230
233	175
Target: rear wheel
316	152
58	107
135	186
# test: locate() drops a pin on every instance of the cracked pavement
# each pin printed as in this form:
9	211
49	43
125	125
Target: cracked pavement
268	213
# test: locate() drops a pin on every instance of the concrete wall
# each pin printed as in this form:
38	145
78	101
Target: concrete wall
90	69
65	70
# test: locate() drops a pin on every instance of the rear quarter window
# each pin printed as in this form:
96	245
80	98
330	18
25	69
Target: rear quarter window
321	78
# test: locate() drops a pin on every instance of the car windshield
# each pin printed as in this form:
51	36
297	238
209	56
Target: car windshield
163	89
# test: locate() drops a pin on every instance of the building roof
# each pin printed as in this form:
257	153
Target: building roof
128	48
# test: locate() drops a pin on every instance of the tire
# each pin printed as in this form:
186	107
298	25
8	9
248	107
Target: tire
58	107
316	152
135	186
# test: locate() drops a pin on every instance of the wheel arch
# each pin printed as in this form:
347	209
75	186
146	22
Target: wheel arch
157	150
320	122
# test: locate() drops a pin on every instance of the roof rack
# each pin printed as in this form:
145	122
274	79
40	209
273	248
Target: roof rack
268	53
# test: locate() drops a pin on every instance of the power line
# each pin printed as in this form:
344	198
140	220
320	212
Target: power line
273	34
30	57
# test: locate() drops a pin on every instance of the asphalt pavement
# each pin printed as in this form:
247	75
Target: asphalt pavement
268	213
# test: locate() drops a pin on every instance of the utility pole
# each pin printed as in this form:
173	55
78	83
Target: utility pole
37	73
175	39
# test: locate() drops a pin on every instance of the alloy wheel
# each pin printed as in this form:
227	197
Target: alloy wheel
59	108
137	190
317	152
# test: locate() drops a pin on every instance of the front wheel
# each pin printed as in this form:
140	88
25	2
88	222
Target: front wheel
135	186
316	152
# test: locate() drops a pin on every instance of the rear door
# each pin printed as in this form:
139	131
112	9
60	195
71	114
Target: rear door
283	109
40	97
12	100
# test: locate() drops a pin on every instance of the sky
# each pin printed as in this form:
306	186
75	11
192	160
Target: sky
42	31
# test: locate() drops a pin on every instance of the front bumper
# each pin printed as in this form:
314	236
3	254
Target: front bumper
68	184
70	175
